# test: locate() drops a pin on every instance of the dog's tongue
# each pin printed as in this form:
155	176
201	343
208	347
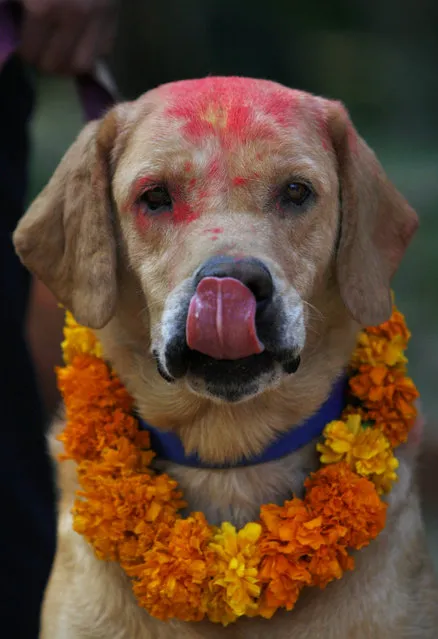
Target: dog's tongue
221	319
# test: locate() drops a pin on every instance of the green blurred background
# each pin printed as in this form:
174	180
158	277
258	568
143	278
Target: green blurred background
380	58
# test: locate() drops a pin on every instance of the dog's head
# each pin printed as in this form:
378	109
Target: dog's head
228	202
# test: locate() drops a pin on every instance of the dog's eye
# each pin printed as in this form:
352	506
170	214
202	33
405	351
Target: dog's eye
156	199
296	193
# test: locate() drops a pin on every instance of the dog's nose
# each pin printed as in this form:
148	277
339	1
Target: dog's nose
248	270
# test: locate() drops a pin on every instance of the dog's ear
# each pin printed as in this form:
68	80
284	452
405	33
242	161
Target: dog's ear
67	237
377	223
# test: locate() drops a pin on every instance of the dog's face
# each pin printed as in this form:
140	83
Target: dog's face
230	201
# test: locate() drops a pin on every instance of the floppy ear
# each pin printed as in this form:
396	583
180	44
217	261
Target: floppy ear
67	238
377	224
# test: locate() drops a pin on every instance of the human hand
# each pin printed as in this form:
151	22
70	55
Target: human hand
67	36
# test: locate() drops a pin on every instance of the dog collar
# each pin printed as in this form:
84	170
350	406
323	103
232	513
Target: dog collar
168	446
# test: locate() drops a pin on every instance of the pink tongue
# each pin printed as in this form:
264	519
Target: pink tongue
221	319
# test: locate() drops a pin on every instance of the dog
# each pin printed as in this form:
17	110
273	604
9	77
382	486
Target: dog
197	185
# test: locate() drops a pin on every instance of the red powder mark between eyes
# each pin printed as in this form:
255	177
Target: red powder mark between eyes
188	166
240	181
214	232
217	230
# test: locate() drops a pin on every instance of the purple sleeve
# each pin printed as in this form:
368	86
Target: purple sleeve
96	91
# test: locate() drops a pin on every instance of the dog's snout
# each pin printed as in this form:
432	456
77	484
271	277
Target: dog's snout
248	270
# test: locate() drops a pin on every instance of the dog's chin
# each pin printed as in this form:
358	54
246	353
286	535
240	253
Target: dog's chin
230	391
226	380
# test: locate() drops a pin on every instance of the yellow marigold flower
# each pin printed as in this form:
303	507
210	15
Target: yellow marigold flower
377	349
366	450
236	585
383	344
383	481
339	439
78	340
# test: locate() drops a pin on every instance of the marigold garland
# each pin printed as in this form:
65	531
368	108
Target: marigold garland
190	570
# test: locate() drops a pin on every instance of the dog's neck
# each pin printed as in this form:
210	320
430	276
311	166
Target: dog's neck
236	494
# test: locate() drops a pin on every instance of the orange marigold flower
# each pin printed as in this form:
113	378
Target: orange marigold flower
329	563
172	581
292	535
117	505
394	327
293	529
395	427
284	579
382	390
343	499
97	408
286	539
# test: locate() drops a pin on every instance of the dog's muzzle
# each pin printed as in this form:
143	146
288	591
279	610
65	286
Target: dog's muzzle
228	330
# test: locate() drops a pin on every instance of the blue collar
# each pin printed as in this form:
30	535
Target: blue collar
168	446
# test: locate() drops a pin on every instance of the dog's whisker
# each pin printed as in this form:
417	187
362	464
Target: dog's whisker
313	310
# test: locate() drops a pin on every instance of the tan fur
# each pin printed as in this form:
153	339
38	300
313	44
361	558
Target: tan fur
73	239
